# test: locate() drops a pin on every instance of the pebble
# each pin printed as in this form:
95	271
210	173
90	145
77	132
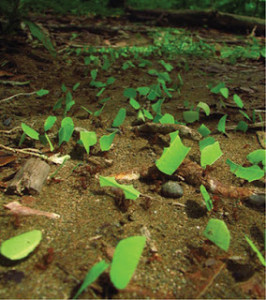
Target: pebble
172	189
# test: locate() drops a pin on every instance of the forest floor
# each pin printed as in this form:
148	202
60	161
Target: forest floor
181	263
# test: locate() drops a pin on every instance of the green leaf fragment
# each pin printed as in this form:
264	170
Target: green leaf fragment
106	141
224	92
30	131
173	155
210	153
147	114
256	250
92	275
129	191
66	130
204	130
157	106
238	101
130	93
205	107
217	232
143	91
49	122
120	117
167	119
248	173
76	86
94	74
135	104
217	88
206	197
110	80
125	260
257	156
191	116
88	139
242	126
41	93
21	245
221	124
245	114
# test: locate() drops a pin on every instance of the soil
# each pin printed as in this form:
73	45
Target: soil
183	263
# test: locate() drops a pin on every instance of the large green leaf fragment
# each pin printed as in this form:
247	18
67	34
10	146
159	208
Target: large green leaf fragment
30	131
21	245
238	101
120	117
130	93
155	91
134	103
167	119
157	106
92	275
106	141
205	107
217	232
143	90
173	155
88	139
191	116
167	66
257	156
49	122
242	126
204	130
221	124
248	173
129	191
37	32
125	260
225	92
66	130
210	154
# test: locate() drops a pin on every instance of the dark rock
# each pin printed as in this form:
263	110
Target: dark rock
172	189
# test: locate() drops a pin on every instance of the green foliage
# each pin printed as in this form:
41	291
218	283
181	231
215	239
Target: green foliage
22	245
217	232
210	151
125	260
248	173
91	276
106	141
30	131
255	249
173	155
88	139
120	117
221	124
206	197
129	191
66	130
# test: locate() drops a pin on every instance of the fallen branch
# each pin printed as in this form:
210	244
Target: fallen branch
17	95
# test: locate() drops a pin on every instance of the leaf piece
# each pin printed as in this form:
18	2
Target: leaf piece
257	156
106	141
129	191
204	130
120	117
66	130
173	155
255	249
49	122
130	93
238	101
92	275
248	173
221	124
205	107
30	131
41	93
125	260
191	116
21	245
210	153
88	139
206	197
217	232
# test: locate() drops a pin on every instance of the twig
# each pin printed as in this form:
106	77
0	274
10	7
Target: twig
27	151
17	95
10	131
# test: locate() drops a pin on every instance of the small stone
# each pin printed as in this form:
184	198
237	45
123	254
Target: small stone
172	189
